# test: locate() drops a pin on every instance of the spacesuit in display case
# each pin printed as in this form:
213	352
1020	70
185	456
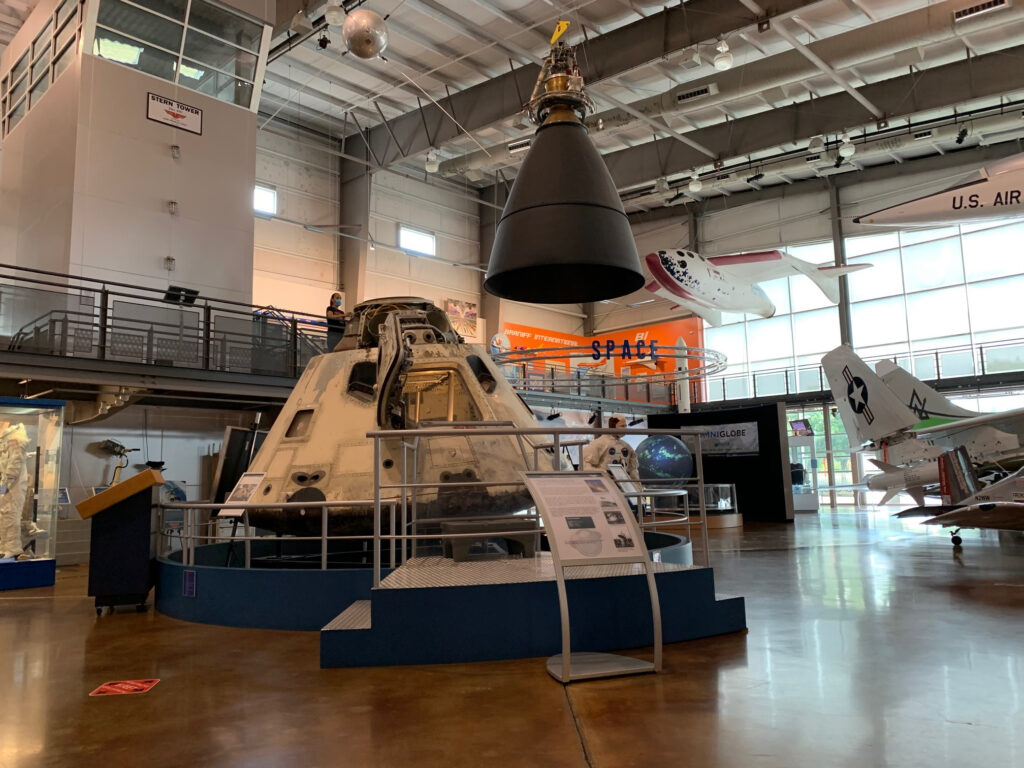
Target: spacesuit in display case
30	439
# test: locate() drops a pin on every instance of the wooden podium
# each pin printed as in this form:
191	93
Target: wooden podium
121	569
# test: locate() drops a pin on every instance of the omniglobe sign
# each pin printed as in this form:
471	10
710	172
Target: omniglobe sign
732	439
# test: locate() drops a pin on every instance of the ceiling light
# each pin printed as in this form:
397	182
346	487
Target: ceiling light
300	23
847	148
661	186
961	136
695	185
324	41
755	177
334	15
816	144
723	59
432	163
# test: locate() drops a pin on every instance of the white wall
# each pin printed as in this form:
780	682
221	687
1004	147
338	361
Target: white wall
565	318
295	268
450	216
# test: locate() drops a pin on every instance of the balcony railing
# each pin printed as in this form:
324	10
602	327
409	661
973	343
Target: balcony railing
931	365
47	313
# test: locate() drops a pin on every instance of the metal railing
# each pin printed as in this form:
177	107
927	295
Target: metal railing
928	365
197	527
49	313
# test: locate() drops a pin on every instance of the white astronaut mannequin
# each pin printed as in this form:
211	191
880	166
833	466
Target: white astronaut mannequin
13	486
605	450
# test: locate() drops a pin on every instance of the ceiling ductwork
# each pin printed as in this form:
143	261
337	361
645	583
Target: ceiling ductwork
877	46
987	129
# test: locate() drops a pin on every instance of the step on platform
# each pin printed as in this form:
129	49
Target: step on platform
433	610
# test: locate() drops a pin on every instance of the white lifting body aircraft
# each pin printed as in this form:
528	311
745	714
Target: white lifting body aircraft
709	286
994	192
913	425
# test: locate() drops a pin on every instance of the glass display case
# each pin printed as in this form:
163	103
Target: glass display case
803	465
30	493
720	502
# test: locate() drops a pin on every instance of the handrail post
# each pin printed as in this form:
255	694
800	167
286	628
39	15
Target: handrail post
323	537
104	306
376	512
294	343
207	335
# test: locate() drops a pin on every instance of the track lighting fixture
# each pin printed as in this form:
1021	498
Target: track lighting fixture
723	59
324	41
961	135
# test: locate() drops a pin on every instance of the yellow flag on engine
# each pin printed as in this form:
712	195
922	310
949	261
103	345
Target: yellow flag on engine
559	31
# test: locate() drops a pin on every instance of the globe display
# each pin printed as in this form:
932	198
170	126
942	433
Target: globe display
661	457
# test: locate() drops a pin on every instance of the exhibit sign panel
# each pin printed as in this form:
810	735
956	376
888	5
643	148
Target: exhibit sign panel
586	517
730	439
171	112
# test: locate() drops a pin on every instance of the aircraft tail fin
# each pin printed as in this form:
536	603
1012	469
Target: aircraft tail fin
918	396
869	409
826	277
957	478
713	316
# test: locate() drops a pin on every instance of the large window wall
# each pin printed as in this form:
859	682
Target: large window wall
944	302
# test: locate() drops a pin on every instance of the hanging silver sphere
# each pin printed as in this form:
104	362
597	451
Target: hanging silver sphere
365	33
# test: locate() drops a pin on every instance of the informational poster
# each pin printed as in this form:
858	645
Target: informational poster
585	517
243	492
462	315
171	112
731	439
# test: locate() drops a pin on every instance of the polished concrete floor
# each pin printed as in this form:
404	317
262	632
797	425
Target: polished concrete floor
871	643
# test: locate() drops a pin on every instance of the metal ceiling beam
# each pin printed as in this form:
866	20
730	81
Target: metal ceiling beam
987	76
368	95
615	53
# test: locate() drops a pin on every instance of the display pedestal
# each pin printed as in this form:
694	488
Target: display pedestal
121	567
804	465
588	666
26	574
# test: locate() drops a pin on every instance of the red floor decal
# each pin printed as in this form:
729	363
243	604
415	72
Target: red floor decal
124	686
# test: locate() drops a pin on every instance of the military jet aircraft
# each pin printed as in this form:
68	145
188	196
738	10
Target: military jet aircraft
913	425
708	286
993	192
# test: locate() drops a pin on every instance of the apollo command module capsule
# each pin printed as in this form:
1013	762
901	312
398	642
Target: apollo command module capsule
399	365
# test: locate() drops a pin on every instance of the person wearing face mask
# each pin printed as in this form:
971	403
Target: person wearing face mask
336	319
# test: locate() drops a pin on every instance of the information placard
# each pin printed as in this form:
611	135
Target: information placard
586	517
243	492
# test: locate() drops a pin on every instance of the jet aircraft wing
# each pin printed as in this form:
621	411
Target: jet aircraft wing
1003	516
933	431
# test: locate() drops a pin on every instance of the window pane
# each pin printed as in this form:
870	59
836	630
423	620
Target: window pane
993	252
996	304
805	294
264	200
19	88
778	292
858	246
227	58
141	25
816	331
20	67
817	253
65	11
225	25
67	32
416	241
42	41
175	9
771	338
773	383
737	388
216	84
883	278
933	265
730	340
1004	358
115	47
38	90
937	313
913	236
17	114
879	322
63	59
41	66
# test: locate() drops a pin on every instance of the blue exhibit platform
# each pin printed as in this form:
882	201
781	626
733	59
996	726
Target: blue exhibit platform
26	574
482	622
